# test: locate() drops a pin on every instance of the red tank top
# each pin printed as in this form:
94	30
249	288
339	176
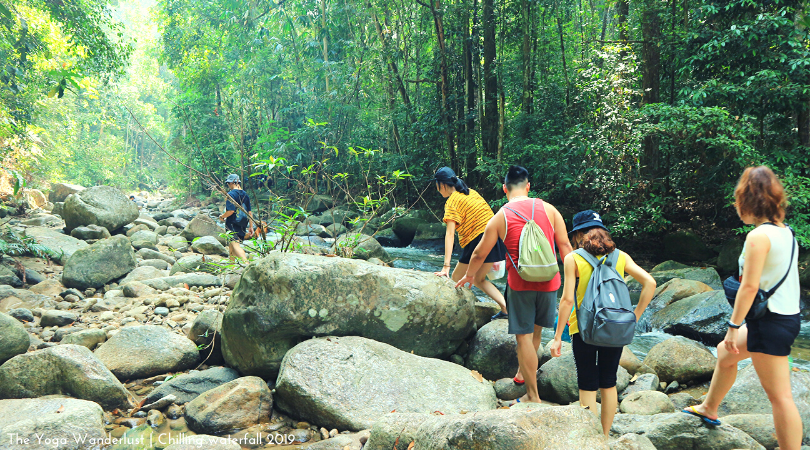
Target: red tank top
514	225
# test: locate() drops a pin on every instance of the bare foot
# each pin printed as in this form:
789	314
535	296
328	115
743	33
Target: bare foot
526	399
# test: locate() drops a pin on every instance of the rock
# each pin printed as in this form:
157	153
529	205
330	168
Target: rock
186	387
686	246
668	293
142	273
147	254
284	298
234	405
200	226
86	338
319	203
429	236
647	403
144	235
138	289
507	389
758	426
34	198
42	220
61	191
57	421
348	382
307	229
644	382
205	332
191	279
90	233
350	441
680	359
21	314
203	441
678	431
706	275
557	381
57	241
156	263
563	427
98	264
336	229
99	205
387	238
13	338
365	247
728	259
700	317
209	245
63	369
192	263
682	400
8	277
177	222
50	287
493	351
632	441
143	351
748	397
406	226
57	318
630	361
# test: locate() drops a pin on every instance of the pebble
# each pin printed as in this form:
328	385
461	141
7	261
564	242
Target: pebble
174	412
162	311
673	387
106	315
22	314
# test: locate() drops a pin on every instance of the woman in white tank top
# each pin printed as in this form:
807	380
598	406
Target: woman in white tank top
766	258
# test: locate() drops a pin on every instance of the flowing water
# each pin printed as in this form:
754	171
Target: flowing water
431	261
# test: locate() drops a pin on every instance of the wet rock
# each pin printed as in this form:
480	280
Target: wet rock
414	311
429	236
99	205
58	318
86	338
406	226
90	233
686	246
316	375
61	243
209	245
677	431
100	263
234	405
647	403
493	351
387	238
13	338
64	369
187	387
680	359
701	317
143	351
57	420
728	259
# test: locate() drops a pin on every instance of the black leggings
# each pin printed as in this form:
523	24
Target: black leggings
590	375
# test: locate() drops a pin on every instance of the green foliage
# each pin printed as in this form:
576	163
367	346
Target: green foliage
14	244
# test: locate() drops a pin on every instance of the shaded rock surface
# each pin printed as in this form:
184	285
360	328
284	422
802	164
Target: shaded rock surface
61	243
188	386
670	292
557	380
493	351
104	206
701	317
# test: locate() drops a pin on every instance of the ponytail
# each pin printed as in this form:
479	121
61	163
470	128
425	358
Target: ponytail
460	185
445	175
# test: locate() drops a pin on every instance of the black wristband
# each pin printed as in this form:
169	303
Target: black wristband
734	325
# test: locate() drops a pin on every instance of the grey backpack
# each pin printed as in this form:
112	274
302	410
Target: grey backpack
605	318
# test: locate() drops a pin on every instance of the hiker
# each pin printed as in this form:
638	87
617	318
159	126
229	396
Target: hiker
768	265
236	220
531	305
467	213
593	242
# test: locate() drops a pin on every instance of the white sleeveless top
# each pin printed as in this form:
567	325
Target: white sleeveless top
785	300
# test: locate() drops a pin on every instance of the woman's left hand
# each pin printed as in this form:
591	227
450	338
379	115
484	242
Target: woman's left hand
442	273
731	341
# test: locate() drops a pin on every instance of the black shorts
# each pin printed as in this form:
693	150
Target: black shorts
773	334
238	228
498	252
590	375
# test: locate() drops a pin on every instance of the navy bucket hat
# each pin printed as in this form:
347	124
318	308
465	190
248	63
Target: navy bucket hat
584	220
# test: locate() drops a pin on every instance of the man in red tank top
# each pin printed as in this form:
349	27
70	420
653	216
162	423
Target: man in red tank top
531	305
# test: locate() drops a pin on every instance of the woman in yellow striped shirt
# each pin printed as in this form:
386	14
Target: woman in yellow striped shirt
467	213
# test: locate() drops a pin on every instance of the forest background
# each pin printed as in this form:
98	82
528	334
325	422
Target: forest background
645	110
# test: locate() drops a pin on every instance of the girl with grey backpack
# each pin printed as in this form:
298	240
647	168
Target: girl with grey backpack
602	321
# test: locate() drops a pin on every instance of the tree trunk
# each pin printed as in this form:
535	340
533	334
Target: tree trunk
324	34
651	79
527	56
622	11
489	123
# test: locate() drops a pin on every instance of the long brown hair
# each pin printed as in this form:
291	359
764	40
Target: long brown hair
760	194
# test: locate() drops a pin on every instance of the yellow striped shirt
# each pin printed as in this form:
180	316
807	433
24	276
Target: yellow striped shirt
470	213
585	272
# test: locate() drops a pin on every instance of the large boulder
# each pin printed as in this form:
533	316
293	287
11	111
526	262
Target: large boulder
34	198
99	205
90	233
363	246
406	226
100	263
701	317
678	431
493	351
557	380
758	426
349	382
680	359
188	386
706	275
319	203
14	339
387	238
66	370
209	245
670	292
429	236
686	246
64	246
52	423
234	405
143	351
557	428
61	191
286	298
647	403
202	225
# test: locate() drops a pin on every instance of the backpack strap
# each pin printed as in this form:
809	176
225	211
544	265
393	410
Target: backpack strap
770	292
519	214
590	259
613	258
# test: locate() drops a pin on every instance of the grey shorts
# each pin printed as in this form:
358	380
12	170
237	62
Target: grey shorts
529	308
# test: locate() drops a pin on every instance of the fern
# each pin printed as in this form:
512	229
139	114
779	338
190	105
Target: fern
13	244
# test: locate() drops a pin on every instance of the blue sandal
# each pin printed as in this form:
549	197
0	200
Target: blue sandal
500	315
691	410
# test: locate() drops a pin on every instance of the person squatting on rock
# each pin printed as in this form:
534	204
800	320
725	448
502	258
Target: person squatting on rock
242	227
467	213
531	305
760	201
588	232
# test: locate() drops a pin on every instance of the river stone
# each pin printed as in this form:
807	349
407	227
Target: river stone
234	405
8	277
647	403
136	229
43	220
387	238
137	289
177	222
143	273
105	206
205	331
203	441
306	229
686	246
63	369
57	318
202	225
406	226
557	428
429	236
681	359
143	351
57	241
493	351
319	203
192	263
60	191
678	431
644	382
21	314
629	361
50	286
14	339
701	317
748	397
286	297
188	386
58	421
343	441
706	275
758	426
191	279
98	264
156	263
668	293
336	229
147	253
86	338
144	235
348	382
209	245
365	247
632	441
90	233
557	381
507	389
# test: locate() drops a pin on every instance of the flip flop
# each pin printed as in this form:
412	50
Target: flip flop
500	315
517	400
691	410
518	382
